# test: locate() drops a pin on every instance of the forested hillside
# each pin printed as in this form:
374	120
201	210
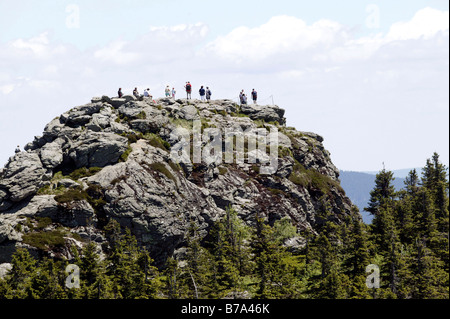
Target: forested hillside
407	242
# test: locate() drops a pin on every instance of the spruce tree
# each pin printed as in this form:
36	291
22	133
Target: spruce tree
383	194
274	271
430	280
412	182
174	285
130	268
47	280
18	278
197	272
358	250
230	252
436	217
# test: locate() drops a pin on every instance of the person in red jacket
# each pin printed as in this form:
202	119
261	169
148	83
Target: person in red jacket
188	87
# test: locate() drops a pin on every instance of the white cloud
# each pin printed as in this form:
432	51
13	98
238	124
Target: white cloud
426	23
37	45
291	42
7	88
116	54
190	30
161	44
280	35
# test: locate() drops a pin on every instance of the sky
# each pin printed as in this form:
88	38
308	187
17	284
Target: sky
371	77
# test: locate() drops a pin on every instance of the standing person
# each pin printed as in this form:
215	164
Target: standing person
241	95
208	94
254	96
173	92
119	93
167	91
244	99
202	93
188	87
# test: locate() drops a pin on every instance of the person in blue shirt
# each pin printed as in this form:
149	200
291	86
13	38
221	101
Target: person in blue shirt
202	93
254	96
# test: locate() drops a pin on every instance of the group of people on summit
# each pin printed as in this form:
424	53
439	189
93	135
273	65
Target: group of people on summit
205	93
243	97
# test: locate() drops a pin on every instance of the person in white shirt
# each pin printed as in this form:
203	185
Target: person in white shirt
147	93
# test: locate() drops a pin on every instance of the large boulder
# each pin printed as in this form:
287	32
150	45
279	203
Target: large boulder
81	115
189	112
97	149
153	124
52	129
52	154
23	176
268	113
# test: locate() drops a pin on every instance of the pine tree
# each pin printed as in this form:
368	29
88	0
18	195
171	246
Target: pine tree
226	259
5	289
383	194
436	219
274	266
129	267
405	222
197	272
412	182
94	280
430	280
18	278
230	253
174	285
358	250
47	281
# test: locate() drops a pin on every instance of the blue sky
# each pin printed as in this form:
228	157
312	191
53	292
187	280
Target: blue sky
370	76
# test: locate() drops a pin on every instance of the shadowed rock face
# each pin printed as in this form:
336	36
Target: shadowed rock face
111	159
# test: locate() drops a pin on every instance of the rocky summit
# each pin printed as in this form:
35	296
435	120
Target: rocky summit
119	158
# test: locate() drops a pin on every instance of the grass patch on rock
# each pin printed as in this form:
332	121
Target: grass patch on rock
84	172
312	179
72	195
45	240
156	141
160	167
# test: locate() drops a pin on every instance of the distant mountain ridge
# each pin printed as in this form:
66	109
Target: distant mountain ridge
402	173
357	186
